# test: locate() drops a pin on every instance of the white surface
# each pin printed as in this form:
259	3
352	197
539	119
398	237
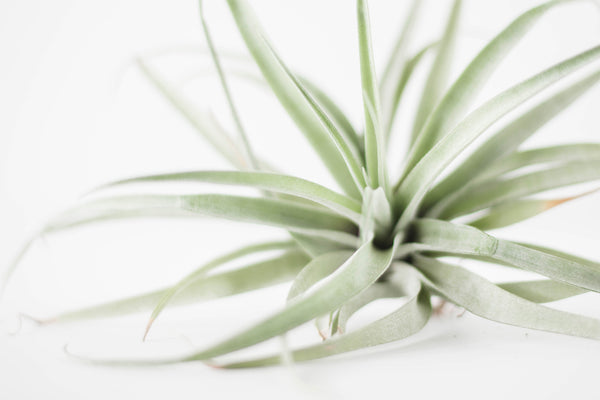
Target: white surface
75	114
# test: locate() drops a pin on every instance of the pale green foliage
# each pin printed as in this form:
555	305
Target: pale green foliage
377	239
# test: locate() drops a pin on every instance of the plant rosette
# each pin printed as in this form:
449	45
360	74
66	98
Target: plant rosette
375	236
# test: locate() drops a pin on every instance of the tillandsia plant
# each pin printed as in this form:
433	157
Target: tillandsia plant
378	237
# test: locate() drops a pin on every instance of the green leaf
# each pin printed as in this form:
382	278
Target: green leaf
398	69
374	292
404	322
200	273
288	94
317	245
469	84
487	300
376	215
359	272
252	160
562	254
412	189
258	275
437	80
515	211
317	269
541	291
290	185
351	160
335	113
289	215
203	122
495	192
466	241
407	72
493	156
374	154
545	156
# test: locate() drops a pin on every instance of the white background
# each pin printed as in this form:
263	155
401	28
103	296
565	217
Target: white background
76	113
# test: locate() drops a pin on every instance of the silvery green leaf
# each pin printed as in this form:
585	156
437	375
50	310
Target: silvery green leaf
288	94
438	75
487	300
415	186
405	321
464	240
261	274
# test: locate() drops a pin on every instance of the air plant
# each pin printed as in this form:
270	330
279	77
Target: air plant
378	238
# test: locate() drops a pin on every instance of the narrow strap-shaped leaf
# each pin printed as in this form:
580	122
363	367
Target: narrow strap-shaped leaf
268	181
515	211
374	154
492	157
406	321
376	215
494	192
333	110
375	292
562	254
359	272
317	269
252	160
542	291
468	85
407	72
274	212
351	158
412	189
201	272
551	155
289	95
465	240
203	122
438	75
316	246
397	69
324	100
261	274
487	300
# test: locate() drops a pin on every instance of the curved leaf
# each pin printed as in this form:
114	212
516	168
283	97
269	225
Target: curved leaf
407	72
201	272
487	300
274	212
268	181
406	321
398	69
516	211
374	155
375	292
413	189
203	122
335	113
465	240
252	160
288	94
541	291
359	272
317	269
494	156
544	156
438	75
495	192
258	275
465	89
